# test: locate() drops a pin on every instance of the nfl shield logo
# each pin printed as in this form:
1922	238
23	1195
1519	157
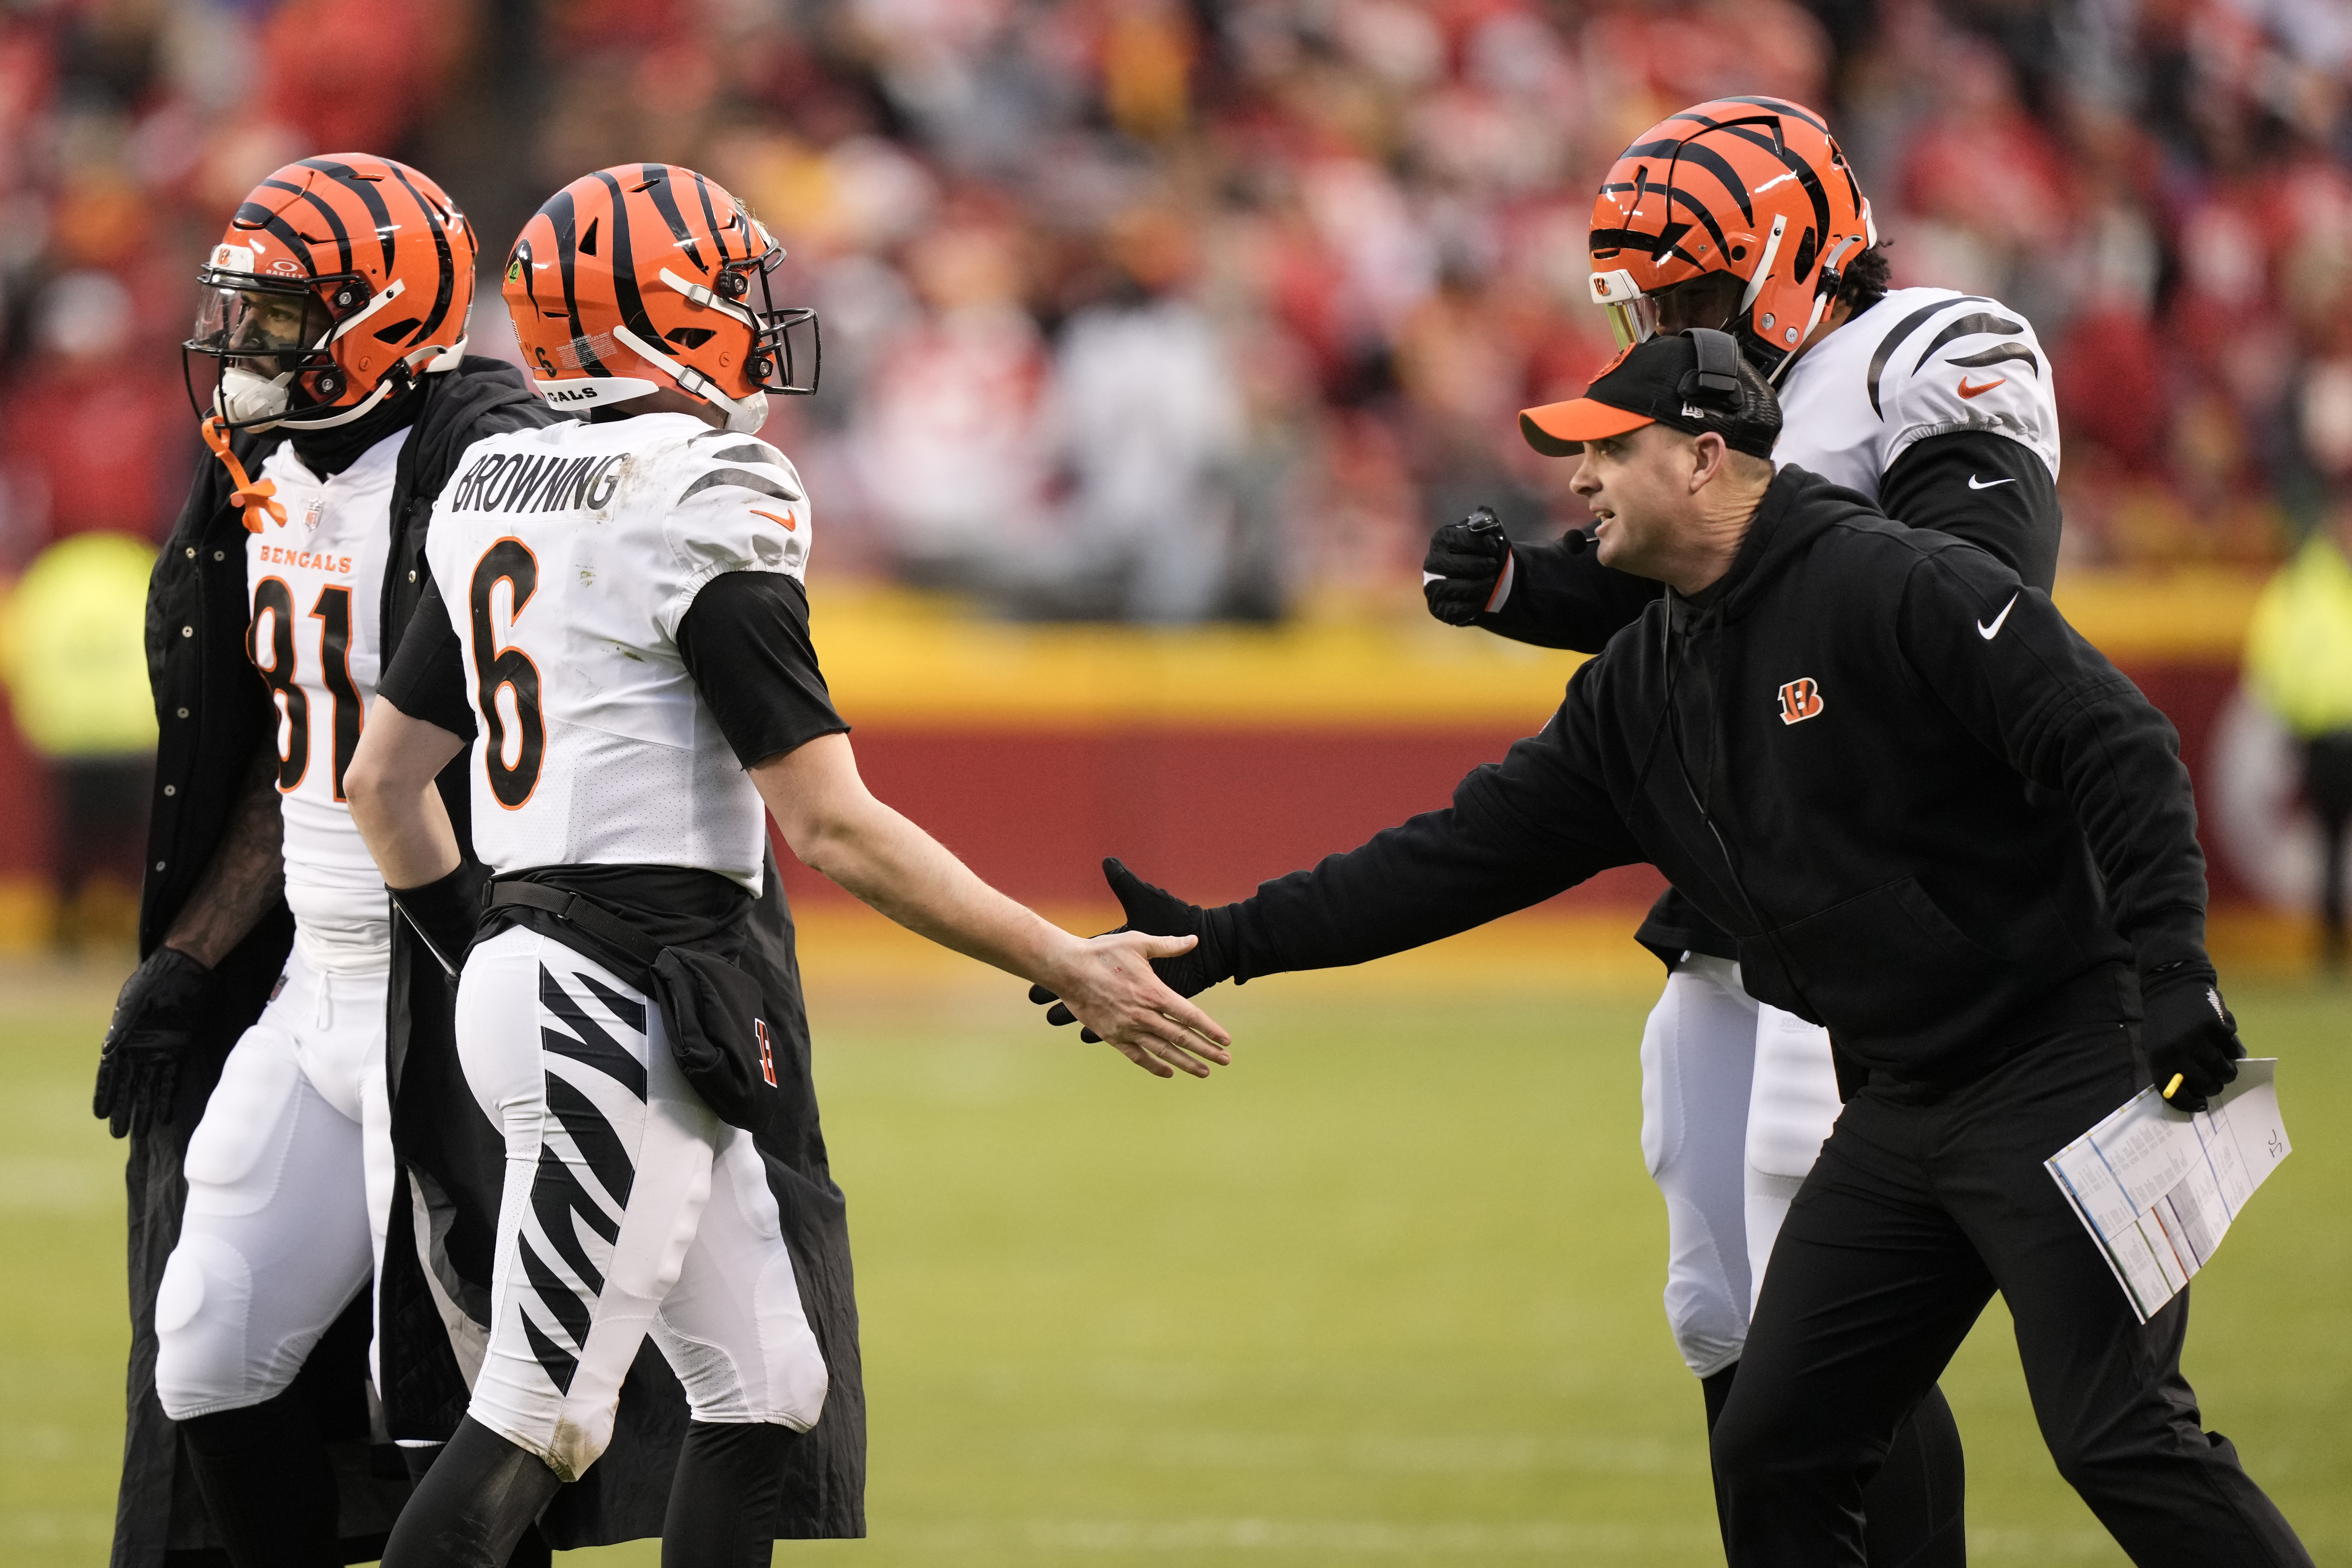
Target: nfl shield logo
767	1053
313	512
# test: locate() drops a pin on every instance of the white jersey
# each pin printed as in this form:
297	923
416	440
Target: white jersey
1921	363
317	585
567	557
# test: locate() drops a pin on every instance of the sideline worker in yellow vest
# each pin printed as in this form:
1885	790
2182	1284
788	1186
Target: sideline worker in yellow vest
2299	664
72	651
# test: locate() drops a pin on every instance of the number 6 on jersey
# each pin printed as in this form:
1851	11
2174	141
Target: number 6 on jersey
507	670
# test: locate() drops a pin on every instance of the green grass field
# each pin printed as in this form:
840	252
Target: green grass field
1385	1292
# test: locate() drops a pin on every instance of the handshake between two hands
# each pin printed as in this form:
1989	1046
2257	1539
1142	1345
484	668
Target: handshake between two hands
1145	1014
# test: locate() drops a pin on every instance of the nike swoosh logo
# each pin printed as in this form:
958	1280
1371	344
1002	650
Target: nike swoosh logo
790	526
1967	391
1976	484
1992	631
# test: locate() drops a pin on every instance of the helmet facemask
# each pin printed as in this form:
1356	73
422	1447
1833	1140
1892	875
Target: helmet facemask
273	340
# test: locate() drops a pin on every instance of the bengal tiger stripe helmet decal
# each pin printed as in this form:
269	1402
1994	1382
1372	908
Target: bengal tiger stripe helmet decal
373	259
648	276
1753	187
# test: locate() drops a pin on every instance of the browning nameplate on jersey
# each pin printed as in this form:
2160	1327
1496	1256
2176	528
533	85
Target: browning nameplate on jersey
517	481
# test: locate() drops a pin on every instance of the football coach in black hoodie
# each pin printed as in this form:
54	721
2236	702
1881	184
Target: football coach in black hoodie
1937	822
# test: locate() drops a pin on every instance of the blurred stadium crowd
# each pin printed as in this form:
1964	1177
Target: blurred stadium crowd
1181	310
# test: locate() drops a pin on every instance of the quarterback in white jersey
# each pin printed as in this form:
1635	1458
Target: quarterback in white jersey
626	645
1936	406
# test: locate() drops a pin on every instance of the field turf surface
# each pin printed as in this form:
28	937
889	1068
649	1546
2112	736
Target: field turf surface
1384	1292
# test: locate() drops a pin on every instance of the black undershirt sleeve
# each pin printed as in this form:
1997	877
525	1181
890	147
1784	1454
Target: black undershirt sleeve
745	640
1987	488
428	677
1567	599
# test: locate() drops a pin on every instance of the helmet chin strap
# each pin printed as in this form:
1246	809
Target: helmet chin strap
1823	295
438	359
744	414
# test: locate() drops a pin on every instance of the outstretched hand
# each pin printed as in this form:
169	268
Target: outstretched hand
1181	961
1109	984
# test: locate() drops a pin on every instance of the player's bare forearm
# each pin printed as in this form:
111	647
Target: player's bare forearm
394	802
836	827
245	873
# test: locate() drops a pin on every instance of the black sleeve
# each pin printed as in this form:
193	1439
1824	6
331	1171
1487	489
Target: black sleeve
1535	824
428	677
1985	488
2003	660
745	640
1560	598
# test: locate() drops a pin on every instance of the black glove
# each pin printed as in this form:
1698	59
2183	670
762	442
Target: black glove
1465	560
2188	1031
1156	912
445	912
154	1019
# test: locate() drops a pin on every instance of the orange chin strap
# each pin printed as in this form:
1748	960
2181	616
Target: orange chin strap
252	495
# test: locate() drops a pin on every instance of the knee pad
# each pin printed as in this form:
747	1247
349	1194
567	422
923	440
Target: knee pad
1705	1307
775	1375
797	1378
202	1311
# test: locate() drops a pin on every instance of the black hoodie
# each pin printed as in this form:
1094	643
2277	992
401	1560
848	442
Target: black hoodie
1932	817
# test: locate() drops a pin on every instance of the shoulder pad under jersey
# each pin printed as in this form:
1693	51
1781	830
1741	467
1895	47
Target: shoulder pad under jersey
1954	361
729	503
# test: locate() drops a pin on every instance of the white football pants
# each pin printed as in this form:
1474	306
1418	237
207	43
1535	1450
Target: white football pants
289	1181
1737	1097
629	1209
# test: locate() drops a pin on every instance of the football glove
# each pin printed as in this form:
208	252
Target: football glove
445	913
2188	1030
1156	912
1465	560
154	1020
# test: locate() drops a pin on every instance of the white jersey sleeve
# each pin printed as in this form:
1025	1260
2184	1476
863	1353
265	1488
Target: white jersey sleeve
739	507
1921	363
567	556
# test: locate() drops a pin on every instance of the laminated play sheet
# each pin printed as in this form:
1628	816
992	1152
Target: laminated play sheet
2158	1187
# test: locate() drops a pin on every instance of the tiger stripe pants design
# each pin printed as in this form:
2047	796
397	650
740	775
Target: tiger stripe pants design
629	1209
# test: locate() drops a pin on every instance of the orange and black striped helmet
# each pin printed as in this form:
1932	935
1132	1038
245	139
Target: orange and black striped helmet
647	275
340	280
1755	189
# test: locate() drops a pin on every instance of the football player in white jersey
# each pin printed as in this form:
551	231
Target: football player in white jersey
626	643
334	313
1743	214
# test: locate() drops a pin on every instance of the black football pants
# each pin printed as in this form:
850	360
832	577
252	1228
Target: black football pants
1914	1216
